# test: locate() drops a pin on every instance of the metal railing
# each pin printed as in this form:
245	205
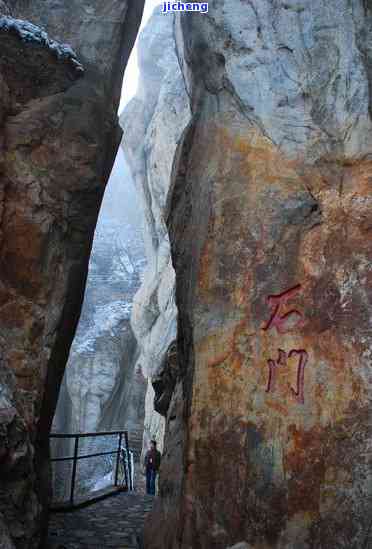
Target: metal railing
122	453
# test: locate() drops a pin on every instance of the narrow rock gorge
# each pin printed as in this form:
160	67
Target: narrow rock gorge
101	390
61	67
250	144
268	434
111	357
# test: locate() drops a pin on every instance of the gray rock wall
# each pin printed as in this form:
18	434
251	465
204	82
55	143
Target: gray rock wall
153	123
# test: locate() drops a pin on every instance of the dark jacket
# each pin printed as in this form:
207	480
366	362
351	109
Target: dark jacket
152	460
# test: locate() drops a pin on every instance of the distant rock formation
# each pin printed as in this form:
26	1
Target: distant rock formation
270	225
104	348
153	123
61	68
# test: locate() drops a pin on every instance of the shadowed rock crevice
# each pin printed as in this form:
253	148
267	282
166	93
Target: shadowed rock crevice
165	382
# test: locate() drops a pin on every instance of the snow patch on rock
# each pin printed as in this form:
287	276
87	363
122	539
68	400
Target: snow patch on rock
28	32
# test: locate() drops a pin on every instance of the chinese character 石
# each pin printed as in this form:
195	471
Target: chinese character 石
283	322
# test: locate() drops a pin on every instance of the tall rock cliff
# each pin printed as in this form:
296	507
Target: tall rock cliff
270	227
58	138
153	123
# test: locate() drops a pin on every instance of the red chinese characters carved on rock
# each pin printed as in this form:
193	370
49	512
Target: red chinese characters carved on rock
298	393
281	321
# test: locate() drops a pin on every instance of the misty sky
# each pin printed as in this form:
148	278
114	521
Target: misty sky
131	73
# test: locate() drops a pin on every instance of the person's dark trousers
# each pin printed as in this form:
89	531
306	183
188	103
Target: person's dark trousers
150	481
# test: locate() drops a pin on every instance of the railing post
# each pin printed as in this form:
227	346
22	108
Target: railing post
130	484
74	466
118	459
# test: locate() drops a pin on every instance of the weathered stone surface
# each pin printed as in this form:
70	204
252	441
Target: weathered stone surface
58	138
4	8
153	123
272	193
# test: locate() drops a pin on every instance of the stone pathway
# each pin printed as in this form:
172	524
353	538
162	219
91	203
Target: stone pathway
112	523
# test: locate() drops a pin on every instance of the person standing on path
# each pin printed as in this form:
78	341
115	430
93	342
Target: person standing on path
152	464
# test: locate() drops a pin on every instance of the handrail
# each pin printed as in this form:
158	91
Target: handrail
75	458
82	435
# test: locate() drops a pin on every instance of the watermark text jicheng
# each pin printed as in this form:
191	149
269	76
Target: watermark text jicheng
171	7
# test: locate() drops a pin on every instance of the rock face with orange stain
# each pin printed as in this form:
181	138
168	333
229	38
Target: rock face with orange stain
270	226
58	137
